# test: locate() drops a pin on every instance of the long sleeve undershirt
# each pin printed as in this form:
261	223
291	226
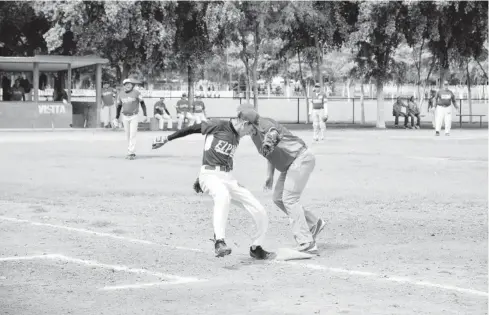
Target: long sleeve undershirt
197	128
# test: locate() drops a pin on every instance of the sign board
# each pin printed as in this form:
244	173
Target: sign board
35	115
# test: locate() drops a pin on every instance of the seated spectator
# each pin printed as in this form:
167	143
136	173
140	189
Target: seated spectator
397	111
413	111
161	113
18	93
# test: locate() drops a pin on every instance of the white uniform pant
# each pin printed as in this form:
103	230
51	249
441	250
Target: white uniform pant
198	118
443	115
224	189
181	117
432	112
161	121
131	129
107	114
318	122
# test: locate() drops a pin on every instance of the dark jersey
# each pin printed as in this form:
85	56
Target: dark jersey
445	98
160	108
183	106
220	145
286	150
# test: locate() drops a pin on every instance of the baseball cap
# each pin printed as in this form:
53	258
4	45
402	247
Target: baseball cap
248	113
317	85
132	80
184	94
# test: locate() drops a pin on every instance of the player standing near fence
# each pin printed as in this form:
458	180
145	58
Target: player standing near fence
183	111
444	100
431	107
216	179
199	110
108	105
318	109
128	102
289	155
161	113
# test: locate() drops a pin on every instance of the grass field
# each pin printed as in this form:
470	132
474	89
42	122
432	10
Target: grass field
84	231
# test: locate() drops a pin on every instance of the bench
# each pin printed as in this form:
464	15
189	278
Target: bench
480	118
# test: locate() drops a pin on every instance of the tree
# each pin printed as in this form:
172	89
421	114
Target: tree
21	29
134	36
377	36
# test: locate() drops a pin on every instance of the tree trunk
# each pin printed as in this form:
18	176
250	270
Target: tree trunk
303	84
319	59
287	78
362	103
469	96
255	65
380	104
190	88
125	71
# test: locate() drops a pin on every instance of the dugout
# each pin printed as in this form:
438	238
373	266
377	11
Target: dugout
38	113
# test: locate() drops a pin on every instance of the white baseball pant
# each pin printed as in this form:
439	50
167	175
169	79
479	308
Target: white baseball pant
131	129
161	121
107	114
198	118
181	117
432	112
224	190
318	124
443	115
287	193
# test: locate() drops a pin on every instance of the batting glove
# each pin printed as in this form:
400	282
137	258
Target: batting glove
158	142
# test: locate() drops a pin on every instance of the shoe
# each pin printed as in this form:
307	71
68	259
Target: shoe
417	127
437	133
260	253
318	228
309	248
221	248
447	134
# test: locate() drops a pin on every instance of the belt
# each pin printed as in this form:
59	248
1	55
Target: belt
218	168
129	114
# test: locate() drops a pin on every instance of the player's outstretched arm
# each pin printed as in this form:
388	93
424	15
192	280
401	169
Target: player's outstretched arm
161	141
269	180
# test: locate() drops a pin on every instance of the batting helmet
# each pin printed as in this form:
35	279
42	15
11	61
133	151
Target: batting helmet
248	113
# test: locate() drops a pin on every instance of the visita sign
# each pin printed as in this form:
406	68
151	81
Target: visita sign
51	109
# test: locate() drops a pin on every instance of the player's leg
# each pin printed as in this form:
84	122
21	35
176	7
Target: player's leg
197	118
202	117
411	117
405	119
127	129
169	123
322	123
133	130
315	124
396	118
418	120
161	123
439	113
191	119
103	115
448	120
212	184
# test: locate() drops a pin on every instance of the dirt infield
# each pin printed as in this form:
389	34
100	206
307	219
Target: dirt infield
85	231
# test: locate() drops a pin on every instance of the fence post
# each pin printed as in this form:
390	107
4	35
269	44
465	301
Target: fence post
240	100
460	113
353	99
298	112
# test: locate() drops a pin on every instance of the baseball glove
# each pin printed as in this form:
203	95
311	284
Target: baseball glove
272	138
158	142
325	118
197	187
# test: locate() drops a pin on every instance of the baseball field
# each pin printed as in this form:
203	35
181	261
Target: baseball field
84	231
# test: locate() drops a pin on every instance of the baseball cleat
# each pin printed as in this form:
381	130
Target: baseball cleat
260	253
309	248
131	156
437	133
447	134
318	228
221	248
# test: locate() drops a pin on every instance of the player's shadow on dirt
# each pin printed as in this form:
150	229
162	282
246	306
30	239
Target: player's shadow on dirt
329	247
148	157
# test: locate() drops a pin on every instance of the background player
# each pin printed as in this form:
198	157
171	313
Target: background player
183	111
161	113
397	111
289	155
199	110
431	107
319	112
216	179
413	111
444	100
107	112
128	101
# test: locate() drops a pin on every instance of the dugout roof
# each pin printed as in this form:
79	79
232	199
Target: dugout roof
48	63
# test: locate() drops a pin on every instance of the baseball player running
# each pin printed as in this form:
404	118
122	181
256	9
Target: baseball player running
319	111
108	105
183	111
444	99
216	179
161	113
199	110
289	155
128	102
